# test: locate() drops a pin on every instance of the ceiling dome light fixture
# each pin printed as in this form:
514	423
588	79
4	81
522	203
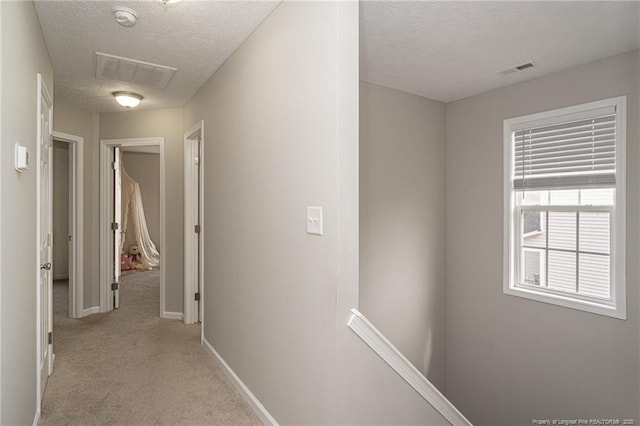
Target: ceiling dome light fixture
127	99
169	1
125	16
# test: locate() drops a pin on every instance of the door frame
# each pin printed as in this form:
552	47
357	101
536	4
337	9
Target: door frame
106	209
76	222
1	176
42	92
193	215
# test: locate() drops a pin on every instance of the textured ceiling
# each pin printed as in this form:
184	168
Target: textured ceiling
441	50
451	50
194	36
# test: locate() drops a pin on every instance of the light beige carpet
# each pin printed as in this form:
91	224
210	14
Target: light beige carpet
129	367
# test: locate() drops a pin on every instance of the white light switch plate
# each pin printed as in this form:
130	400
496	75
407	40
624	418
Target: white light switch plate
22	158
314	220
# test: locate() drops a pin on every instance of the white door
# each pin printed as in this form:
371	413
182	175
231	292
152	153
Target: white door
116	226
45	213
193	234
199	233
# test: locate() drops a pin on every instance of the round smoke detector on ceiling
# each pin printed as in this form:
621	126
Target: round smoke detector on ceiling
125	16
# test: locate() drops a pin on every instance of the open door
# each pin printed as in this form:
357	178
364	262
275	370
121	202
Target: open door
45	235
199	234
116	226
193	224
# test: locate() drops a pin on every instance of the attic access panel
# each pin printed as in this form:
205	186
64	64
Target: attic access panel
111	67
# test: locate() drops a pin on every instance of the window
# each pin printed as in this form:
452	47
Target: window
565	207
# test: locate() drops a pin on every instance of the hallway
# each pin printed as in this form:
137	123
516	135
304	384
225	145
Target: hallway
131	367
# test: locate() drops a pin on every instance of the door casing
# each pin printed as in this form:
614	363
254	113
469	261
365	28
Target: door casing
106	211
76	225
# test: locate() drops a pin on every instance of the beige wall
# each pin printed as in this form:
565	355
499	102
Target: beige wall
166	123
60	210
22	55
144	168
402	223
74	121
511	359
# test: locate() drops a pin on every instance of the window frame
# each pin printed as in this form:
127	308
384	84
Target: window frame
616	306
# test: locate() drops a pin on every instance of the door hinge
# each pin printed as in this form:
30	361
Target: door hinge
50	338
197	298
70	237
114	226
114	165
114	286
196	229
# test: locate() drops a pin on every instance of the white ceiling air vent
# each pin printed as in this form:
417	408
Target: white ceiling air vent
516	69
110	67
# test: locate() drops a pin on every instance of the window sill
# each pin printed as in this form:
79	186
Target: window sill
618	312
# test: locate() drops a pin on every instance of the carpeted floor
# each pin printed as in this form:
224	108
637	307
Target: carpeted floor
129	367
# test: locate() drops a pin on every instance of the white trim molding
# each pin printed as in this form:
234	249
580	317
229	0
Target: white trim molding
90	311
244	391
401	365
173	315
1	176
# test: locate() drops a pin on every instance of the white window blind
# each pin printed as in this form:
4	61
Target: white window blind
575	150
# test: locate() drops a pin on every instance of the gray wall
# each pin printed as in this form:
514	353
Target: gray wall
402	223
60	209
74	121
270	288
22	54
511	359
168	124
281	134
144	168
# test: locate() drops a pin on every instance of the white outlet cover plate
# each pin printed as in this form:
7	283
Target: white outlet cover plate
314	220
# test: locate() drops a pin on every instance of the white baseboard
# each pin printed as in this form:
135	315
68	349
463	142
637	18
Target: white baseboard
90	311
173	315
244	391
36	418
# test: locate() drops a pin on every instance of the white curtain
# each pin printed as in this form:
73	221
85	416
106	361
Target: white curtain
134	223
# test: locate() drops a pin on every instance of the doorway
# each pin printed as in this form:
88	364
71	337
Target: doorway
68	223
111	222
193	220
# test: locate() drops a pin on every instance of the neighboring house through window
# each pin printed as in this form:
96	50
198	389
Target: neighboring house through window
565	207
